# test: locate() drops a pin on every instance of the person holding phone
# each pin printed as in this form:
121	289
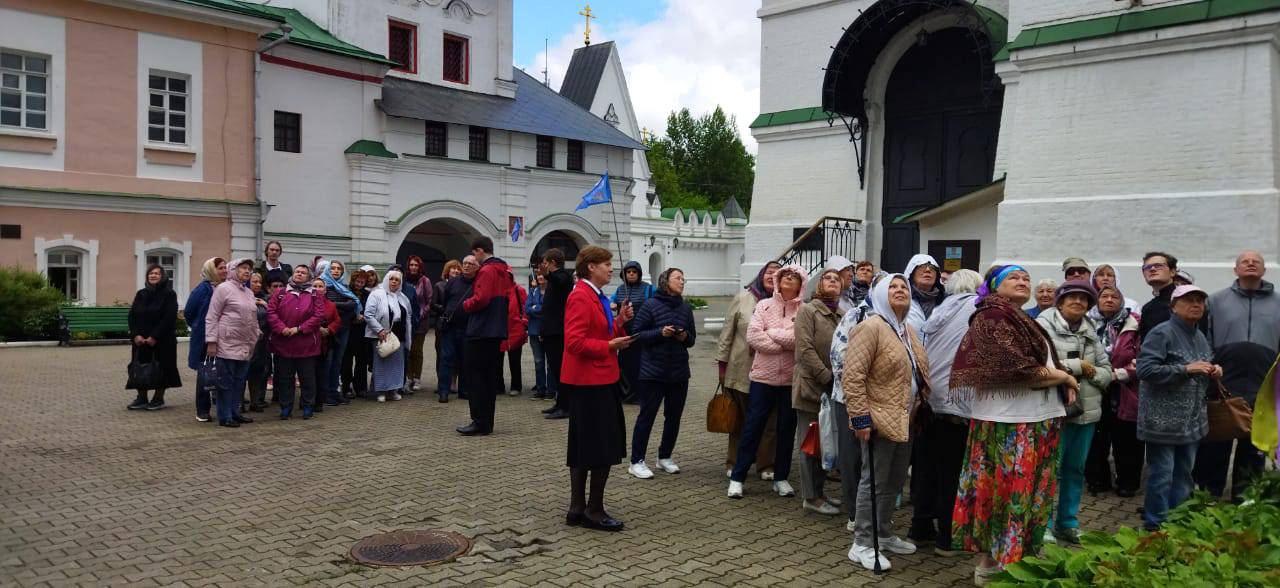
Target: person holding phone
664	331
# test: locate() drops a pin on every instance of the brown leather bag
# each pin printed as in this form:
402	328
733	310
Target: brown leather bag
1229	417
722	415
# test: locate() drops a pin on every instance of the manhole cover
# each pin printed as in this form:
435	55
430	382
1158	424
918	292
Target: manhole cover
410	548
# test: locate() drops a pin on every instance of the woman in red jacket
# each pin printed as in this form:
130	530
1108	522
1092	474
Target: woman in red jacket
330	324
597	432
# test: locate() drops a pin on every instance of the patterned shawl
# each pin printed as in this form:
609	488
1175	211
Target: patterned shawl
1003	352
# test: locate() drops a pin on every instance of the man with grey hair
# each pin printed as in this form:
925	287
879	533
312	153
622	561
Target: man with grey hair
452	328
939	447
1244	330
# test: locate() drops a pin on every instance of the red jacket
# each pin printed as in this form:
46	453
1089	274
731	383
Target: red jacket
517	323
330	321
487	307
588	361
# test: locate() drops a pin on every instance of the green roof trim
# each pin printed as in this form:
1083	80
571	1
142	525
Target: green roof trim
790	117
243	8
672	212
305	236
1134	21
306	33
996	24
371	148
903	217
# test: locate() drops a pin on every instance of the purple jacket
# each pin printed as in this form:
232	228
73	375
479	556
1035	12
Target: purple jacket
293	308
232	321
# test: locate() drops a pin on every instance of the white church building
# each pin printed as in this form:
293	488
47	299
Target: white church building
1022	130
399	127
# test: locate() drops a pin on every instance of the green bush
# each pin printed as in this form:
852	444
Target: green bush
696	302
28	305
1203	543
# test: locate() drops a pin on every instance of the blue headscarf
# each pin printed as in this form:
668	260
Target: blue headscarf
337	285
990	286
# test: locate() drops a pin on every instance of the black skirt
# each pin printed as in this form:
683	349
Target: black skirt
597	429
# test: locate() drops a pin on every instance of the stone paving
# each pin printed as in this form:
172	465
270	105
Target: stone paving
92	494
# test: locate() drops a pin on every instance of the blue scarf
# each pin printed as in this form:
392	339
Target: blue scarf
338	286
608	312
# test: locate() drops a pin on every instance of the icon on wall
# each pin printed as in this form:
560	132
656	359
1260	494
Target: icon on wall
515	228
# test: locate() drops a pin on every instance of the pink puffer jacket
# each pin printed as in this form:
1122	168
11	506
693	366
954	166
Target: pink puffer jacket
232	321
771	333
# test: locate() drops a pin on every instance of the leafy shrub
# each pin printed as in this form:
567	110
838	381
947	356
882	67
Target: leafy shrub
181	326
28	304
696	302
1203	543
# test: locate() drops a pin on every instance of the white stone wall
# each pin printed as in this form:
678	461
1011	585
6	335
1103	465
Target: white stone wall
976	223
708	251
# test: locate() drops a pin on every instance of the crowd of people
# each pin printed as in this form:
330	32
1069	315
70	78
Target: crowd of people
1003	417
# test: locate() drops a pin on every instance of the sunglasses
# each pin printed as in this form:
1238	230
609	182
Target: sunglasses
1075	271
1154	266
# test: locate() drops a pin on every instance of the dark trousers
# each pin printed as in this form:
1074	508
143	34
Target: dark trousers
232	374
629	368
553	348
939	456
761	400
449	359
321	375
1097	467
670	396
1212	461
480	376
333	366
355	364
1130	454
258	375
539	364
513	364
304	368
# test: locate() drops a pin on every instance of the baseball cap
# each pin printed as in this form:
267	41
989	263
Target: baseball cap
1074	262
1181	291
838	262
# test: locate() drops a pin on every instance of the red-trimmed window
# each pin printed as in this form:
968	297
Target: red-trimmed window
402	45
457	59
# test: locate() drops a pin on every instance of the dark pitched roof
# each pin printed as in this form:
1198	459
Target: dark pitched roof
582	79
732	209
536	110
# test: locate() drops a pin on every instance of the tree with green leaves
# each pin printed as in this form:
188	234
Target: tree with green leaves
701	162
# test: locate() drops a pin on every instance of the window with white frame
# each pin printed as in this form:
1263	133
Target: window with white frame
167	109
64	268
165	259
24	90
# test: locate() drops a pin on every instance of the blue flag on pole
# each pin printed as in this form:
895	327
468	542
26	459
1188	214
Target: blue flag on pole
599	194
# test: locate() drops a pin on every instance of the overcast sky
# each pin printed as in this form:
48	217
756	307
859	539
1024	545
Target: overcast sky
691	54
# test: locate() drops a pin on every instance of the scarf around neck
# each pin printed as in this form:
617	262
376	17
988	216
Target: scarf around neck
1003	351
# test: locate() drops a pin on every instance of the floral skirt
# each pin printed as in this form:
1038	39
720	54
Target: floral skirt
1007	488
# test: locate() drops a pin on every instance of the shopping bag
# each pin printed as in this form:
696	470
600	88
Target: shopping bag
812	446
208	376
829	431
722	415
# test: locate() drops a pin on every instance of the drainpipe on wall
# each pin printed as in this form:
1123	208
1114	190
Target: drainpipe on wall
263	208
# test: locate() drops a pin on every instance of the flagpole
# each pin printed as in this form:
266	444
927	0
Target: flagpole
617	234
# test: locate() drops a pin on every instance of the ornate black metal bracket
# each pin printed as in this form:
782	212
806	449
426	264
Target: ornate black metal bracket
858	135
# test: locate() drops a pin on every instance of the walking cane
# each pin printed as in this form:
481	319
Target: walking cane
875	519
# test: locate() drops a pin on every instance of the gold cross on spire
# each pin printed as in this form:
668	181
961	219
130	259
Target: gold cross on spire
586	14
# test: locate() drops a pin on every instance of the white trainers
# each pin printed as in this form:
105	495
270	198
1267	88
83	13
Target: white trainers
783	488
735	489
1049	538
898	545
866	556
669	466
850	526
396	396
640	470
728	473
824	508
766	475
382	398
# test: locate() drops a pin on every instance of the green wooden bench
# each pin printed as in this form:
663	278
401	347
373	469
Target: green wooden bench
93	319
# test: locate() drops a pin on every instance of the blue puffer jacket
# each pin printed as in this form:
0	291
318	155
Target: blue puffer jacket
533	310
663	359
193	313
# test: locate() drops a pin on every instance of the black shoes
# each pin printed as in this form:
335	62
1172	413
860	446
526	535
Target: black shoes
155	404
473	429
549	409
557	415
1126	492
574	519
138	403
232	424
243	419
257	407
444	399
537	395
604	523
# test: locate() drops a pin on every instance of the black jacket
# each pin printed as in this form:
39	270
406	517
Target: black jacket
559	285
1157	311
663	359
455	291
346	306
154	314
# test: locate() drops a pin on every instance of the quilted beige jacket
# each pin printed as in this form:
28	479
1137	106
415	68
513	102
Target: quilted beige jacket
877	377
732	347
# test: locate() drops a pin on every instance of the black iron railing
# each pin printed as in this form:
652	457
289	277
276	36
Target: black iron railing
831	235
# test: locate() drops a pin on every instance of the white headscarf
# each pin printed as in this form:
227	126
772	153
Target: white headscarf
880	301
394	297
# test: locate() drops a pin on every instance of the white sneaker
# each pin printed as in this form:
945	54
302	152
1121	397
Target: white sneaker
396	396
382	398
415	386
898	545
513	392
824	508
735	489
766	475
866	556
640	470
669	466
850	526
1049	538
836	502
783	488
728	473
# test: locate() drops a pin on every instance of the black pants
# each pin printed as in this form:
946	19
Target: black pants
1097	467
1130	454
553	348
629	366
668	395
302	367
513	364
935	477
355	363
481	373
1212	460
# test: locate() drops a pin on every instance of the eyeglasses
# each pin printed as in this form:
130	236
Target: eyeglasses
1154	266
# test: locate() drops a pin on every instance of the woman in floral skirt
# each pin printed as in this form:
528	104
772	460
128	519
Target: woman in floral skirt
1008	372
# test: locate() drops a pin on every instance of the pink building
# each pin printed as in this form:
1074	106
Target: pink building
127	138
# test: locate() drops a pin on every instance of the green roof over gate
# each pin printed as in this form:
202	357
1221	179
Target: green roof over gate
306	33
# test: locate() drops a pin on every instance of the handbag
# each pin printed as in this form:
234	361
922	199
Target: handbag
388	346
722	415
143	375
812	446
1229	417
209	375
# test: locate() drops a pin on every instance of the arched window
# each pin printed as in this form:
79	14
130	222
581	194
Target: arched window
65	270
165	259
173	256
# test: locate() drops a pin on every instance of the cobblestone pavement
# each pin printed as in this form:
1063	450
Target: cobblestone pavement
93	494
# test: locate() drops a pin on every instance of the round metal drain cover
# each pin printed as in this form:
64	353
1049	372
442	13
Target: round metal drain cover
410	548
